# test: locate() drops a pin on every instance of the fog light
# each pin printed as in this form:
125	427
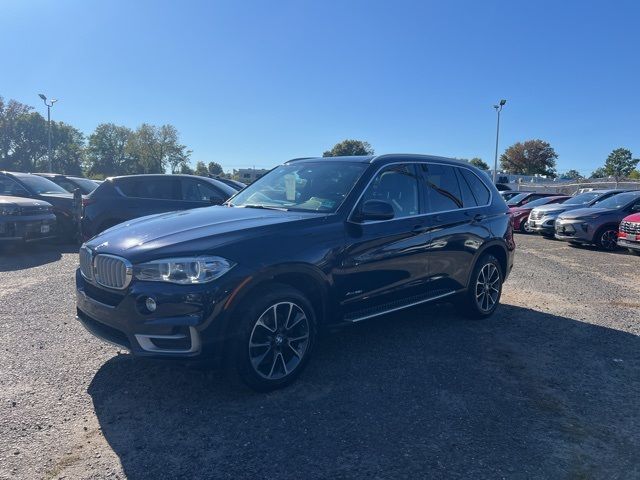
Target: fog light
150	303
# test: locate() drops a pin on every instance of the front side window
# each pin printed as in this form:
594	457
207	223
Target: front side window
318	186
442	188
617	201
11	187
200	191
398	186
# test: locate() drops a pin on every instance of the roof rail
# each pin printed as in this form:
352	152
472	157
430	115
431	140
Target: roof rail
299	158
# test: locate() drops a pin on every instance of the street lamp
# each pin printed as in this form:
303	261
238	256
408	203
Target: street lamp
495	161
49	105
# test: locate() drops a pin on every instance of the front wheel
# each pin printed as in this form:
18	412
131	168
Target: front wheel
485	288
524	226
275	339
607	238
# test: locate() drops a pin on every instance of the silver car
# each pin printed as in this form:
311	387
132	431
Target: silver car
597	225
542	219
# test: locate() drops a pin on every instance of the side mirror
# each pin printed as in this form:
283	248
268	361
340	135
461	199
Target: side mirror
375	210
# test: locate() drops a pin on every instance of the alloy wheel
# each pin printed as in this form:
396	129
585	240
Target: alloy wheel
487	287
279	340
609	239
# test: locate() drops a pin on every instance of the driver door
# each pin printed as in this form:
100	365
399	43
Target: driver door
384	263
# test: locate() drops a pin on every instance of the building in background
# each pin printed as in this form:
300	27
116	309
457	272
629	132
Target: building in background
248	175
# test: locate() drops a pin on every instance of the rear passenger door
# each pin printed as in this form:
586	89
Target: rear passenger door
149	195
455	199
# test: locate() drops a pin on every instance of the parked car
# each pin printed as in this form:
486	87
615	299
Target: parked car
70	184
520	215
119	199
509	194
315	243
503	187
542	219
525	197
597	225
27	185
629	233
25	220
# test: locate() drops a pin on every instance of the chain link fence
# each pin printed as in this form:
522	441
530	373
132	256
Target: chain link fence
570	188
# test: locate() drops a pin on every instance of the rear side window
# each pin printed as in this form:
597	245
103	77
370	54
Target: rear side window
200	191
442	188
149	187
478	189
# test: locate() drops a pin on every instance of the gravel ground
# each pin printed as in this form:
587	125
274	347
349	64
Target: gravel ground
549	387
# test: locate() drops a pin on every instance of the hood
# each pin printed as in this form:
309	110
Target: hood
557	207
22	202
634	217
586	212
210	226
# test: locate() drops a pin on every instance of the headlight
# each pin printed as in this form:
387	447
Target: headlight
184	271
9	210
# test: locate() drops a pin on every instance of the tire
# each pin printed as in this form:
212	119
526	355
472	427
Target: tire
524	226
606	238
634	251
264	354
485	288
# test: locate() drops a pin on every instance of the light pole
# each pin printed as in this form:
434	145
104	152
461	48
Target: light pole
495	160
49	105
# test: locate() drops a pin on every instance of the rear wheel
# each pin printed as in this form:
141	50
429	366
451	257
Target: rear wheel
275	338
607	238
524	226
485	288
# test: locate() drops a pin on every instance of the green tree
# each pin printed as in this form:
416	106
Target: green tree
107	151
349	147
14	135
620	163
201	169
635	175
530	158
598	173
154	149
186	169
215	168
67	150
479	163
573	174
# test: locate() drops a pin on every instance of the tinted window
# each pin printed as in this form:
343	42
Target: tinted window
442	188
66	184
582	199
478	188
200	191
397	185
468	199
617	201
40	185
149	187
11	187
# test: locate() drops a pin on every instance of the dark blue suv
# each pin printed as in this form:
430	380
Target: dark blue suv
119	199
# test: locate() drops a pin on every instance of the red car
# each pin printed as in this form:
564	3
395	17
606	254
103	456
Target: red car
520	215
629	233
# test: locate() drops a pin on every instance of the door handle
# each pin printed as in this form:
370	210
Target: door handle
478	217
419	229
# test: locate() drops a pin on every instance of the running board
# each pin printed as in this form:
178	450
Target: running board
397	305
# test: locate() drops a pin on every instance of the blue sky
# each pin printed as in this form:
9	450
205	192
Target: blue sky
257	82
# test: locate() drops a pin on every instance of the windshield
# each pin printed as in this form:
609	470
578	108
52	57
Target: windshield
582	199
541	201
316	187
86	185
617	201
513	201
40	185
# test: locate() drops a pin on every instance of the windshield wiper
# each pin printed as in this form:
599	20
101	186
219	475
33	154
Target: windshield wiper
265	207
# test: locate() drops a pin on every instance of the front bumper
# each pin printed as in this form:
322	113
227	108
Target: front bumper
633	245
31	228
545	226
189	321
578	231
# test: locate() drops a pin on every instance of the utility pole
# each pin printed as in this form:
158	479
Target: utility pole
495	160
49	105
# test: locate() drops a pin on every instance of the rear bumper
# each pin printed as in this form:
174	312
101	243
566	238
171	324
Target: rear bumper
28	228
623	243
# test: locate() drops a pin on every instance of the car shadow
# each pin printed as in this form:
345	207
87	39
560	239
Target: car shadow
418	394
24	256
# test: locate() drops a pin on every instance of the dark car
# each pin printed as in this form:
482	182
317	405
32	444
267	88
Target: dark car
525	197
542	219
237	186
509	194
315	243
520	215
70	184
65	208
597	225
119	199
25	220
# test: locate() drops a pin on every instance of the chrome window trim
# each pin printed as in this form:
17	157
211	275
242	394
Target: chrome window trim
415	162
128	271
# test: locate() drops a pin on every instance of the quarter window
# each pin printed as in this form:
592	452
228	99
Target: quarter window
397	185
478	188
442	188
147	187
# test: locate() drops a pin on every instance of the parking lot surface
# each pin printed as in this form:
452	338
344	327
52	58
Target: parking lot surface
549	387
